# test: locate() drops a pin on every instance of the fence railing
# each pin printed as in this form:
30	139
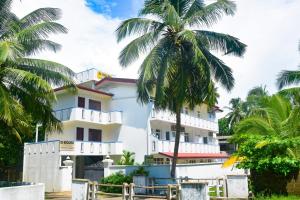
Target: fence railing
129	191
186	120
82	114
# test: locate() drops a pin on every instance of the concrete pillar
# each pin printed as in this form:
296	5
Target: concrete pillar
107	162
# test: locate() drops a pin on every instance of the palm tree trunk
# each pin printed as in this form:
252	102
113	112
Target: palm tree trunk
177	138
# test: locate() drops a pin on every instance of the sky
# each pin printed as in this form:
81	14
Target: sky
270	28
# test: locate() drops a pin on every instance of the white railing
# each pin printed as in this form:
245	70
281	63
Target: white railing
186	120
185	147
90	148
87	75
88	115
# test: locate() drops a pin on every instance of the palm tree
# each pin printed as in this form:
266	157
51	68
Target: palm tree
237	111
254	97
179	68
288	77
278	118
25	82
127	158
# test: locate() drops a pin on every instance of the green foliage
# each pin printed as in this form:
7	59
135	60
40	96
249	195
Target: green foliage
224	128
141	171
268	140
26	94
275	197
273	157
179	68
127	158
117	179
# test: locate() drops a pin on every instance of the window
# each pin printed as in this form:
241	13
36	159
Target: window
212	115
95	135
186	137
153	146
81	102
205	141
94	105
157	133
79	134
167	135
167	161
158	161
192	161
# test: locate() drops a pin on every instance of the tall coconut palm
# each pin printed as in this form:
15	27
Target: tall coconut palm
254	97
179	68
25	82
288	77
237	111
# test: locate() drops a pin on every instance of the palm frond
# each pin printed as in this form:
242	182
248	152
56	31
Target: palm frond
40	15
137	47
222	42
254	125
40	31
211	13
54	73
136	26
287	77
220	71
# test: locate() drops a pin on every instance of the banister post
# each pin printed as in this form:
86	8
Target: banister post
124	191
169	192
178	192
131	191
217	187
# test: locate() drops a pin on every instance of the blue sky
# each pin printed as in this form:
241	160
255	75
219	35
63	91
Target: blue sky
115	8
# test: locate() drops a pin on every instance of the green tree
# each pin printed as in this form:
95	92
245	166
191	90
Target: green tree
224	128
237	112
179	67
25	82
127	158
269	142
253	99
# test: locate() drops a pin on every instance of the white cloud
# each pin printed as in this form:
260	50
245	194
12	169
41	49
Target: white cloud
271	30
90	41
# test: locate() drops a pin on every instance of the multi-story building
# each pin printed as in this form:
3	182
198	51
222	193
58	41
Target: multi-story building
104	118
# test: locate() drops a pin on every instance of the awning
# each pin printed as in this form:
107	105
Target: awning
195	155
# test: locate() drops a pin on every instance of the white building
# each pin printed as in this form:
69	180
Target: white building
104	118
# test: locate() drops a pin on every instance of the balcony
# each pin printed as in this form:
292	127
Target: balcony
186	120
94	116
90	148
184	147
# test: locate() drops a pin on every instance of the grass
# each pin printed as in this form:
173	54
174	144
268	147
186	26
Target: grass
278	198
213	191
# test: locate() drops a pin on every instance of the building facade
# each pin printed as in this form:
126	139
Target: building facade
104	118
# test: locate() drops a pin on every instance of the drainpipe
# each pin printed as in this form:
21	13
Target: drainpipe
37	132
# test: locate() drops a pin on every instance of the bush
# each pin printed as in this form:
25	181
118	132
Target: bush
271	166
117	179
140	172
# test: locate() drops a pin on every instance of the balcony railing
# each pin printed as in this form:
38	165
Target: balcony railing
88	115
186	120
184	147
90	148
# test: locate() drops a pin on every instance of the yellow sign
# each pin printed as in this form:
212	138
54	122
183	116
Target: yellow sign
101	75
